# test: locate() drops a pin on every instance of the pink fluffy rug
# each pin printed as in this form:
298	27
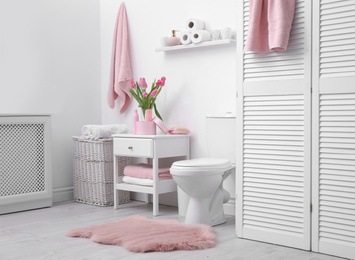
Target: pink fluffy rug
141	234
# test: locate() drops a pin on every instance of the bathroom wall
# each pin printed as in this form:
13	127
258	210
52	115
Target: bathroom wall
200	81
50	63
50	57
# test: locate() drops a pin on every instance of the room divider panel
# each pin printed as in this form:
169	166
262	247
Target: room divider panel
273	158
289	104
333	182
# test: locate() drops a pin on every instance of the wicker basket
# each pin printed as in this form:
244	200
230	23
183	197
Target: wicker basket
93	172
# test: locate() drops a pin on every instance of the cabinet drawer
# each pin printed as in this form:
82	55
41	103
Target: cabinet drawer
133	147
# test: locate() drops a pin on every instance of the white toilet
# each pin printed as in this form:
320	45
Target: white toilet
202	179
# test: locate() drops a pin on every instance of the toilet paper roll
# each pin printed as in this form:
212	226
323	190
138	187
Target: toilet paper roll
185	37
195	24
200	36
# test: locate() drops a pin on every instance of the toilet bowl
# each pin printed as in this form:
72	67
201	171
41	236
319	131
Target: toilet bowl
202	180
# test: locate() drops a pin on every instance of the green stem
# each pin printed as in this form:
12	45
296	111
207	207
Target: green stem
157	113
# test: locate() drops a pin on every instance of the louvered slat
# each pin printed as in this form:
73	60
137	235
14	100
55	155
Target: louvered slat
337	39
277	65
273	174
336	170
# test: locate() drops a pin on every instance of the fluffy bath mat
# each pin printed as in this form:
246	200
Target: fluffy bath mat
141	234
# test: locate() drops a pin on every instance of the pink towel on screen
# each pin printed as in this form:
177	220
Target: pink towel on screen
121	72
145	171
270	23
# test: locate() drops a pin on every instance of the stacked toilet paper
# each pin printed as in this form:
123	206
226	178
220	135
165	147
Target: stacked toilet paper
194	32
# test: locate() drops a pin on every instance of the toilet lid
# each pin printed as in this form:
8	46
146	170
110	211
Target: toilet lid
203	162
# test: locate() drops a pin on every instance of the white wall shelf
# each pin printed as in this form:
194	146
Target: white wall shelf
195	45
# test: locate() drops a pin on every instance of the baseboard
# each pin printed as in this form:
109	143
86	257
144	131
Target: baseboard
169	199
27	205
63	194
67	193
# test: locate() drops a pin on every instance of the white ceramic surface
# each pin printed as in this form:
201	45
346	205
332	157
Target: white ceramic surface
202	179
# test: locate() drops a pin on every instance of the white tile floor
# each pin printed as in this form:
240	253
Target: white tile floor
39	234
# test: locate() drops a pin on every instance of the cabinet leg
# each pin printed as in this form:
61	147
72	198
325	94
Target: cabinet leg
115	174
115	199
155	204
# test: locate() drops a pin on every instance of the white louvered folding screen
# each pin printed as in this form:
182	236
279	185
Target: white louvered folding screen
273	160
333	185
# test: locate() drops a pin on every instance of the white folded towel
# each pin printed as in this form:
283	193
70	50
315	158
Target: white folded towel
95	132
139	181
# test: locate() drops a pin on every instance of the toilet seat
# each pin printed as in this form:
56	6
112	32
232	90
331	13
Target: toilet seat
205	165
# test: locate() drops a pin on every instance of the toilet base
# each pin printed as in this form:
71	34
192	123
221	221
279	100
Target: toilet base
216	206
218	221
198	212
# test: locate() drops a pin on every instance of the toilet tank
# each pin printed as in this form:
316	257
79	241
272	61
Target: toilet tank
221	136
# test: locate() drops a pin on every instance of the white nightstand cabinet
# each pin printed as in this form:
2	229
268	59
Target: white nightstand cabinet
148	146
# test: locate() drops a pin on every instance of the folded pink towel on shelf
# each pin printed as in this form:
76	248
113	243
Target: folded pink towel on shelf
270	23
145	171
121	71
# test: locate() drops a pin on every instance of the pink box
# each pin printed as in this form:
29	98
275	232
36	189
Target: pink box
160	124
145	128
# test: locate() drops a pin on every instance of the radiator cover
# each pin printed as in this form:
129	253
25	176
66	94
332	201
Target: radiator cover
25	168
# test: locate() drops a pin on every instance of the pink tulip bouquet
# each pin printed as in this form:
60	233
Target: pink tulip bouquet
145	99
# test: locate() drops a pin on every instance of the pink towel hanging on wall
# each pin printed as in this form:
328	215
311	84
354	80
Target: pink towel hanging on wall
121	71
270	23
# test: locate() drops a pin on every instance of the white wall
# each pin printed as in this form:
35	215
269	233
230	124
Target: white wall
50	63
199	81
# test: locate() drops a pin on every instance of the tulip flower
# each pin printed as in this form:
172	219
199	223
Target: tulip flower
142	83
163	81
154	92
144	99
133	85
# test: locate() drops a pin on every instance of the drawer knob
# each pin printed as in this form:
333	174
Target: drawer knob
130	147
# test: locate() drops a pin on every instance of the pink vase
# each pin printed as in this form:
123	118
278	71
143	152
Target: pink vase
148	115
